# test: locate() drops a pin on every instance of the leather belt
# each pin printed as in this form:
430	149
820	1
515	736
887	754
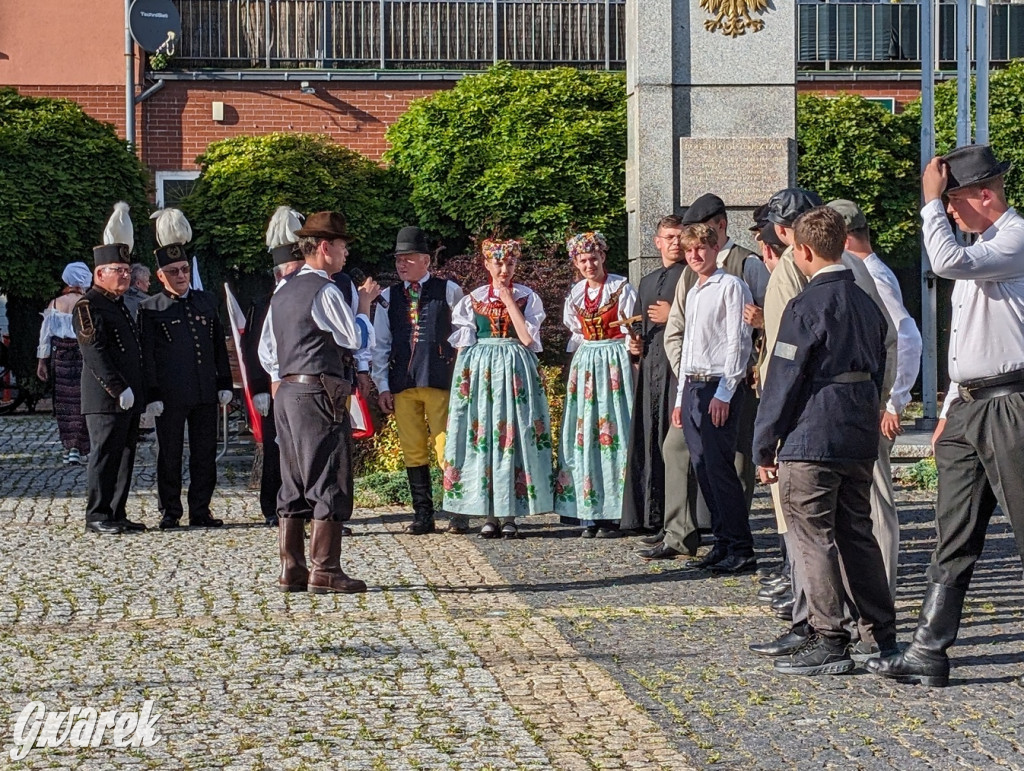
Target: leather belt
703	378
304	379
852	377
989	387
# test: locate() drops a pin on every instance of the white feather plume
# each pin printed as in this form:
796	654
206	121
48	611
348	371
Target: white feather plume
119	229
171	227
283	224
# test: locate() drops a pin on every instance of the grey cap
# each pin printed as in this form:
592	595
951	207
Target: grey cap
851	213
411	240
786	205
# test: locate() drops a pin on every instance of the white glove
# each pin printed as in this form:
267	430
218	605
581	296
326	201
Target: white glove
224	397
156	409
262	404
126	399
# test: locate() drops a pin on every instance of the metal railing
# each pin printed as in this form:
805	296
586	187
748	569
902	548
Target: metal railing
885	33
384	34
472	34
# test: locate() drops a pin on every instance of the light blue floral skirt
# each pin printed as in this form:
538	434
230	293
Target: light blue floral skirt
595	434
498	450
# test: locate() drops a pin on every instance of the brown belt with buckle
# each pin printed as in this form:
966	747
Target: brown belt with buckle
989	387
304	379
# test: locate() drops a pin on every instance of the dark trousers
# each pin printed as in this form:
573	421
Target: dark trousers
980	460
685	509
270	480
201	420
316	455
712	455
111	464
828	512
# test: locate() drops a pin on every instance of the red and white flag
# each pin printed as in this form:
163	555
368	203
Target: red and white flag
237	319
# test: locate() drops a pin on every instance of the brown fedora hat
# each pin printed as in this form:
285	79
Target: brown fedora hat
971	165
324	224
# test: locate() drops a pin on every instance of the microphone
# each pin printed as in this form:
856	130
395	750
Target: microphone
359	278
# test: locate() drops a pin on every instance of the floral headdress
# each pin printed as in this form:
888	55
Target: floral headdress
586	243
500	251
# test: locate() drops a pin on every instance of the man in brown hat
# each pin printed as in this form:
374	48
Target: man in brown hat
412	367
979	445
306	347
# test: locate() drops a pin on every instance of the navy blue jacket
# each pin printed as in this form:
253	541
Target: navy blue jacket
830	329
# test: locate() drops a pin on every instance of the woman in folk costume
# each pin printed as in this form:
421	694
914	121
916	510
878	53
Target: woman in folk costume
498	452
599	395
58	349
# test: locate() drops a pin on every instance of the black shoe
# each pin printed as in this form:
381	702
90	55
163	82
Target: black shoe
773	579
785	613
783	645
169	523
509	530
589	532
104	528
735	565
713	557
770	592
912	666
128	526
862	651
783	606
458	529
206	521
660	552
490	530
653	540
817	656
608	532
272	521
346	531
420	526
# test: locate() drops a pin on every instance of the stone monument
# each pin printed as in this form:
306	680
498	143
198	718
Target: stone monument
711	103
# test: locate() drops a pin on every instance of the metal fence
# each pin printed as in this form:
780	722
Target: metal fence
422	34
886	33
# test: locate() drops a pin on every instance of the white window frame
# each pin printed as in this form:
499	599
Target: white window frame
170	176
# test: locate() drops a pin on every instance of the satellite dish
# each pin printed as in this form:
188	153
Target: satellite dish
155	25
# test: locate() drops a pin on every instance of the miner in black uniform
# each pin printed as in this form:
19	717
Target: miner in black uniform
287	259
306	347
187	376
112	389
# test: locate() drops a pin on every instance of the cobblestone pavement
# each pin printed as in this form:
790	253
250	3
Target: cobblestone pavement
548	652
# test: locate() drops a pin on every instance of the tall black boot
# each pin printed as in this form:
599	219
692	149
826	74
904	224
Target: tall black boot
925	660
422	500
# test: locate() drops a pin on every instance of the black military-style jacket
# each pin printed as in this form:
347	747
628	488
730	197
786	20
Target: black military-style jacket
259	380
111	352
184	353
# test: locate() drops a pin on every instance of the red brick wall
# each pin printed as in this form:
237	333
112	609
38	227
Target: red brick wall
177	123
105	103
901	91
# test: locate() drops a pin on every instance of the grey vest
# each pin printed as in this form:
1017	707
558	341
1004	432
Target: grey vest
302	347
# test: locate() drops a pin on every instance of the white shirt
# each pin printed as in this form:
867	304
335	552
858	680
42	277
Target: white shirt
382	331
908	338
581	290
55	324
364	350
755	274
464	320
716	341
987	332
331	313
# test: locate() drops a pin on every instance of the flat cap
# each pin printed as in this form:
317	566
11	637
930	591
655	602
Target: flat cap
768	235
851	213
760	217
786	205
704	208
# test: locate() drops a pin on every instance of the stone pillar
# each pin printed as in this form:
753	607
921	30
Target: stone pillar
707	112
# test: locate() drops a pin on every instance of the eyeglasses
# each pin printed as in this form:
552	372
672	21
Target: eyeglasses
119	271
176	271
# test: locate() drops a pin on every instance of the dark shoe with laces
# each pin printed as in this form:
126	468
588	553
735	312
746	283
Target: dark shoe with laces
784	645
169	523
206	521
713	557
589	532
817	656
130	527
734	565
660	552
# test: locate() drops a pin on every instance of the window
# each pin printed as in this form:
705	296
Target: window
173	186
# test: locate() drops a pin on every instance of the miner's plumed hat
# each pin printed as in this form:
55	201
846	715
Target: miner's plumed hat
118	238
704	208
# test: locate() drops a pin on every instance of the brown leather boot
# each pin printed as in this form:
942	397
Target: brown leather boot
292	542
325	554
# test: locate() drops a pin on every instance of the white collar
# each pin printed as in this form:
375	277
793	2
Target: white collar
422	281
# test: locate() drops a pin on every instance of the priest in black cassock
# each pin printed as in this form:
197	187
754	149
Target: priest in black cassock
643	504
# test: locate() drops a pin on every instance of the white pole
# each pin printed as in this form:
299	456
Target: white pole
929	331
963	73
981	73
129	78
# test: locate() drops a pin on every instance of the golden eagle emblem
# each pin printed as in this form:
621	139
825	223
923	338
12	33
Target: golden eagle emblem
733	16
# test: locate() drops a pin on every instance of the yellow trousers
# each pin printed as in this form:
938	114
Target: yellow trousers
421	413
